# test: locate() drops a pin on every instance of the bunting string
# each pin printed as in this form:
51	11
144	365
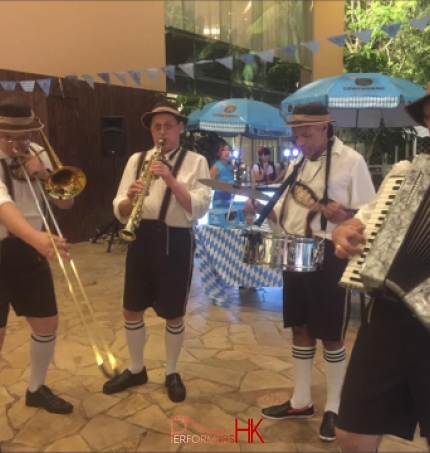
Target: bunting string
189	68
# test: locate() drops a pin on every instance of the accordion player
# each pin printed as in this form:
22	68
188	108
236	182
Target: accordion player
395	261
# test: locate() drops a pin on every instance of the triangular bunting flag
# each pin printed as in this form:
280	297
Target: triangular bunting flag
136	75
267	55
364	35
391	29
89	79
247	58
204	61
420	23
188	68
152	73
105	76
339	40
227	62
73	79
121	76
289	50
45	85
8	86
169	71
28	85
313	46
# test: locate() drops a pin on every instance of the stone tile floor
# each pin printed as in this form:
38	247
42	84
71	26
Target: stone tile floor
235	360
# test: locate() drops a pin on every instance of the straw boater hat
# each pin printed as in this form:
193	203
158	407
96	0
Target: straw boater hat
308	115
415	109
17	116
163	107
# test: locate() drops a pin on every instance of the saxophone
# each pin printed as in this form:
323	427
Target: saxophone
146	176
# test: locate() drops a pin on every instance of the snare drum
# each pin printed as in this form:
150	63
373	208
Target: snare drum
282	251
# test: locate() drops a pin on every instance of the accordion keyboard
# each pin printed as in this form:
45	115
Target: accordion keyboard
351	278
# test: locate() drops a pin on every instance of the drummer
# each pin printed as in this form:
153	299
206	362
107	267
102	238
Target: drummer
314	306
222	170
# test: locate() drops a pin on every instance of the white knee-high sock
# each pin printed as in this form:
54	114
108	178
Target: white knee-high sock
41	352
335	370
303	358
135	334
174	339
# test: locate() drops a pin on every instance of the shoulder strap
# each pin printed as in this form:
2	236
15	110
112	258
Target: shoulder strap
277	195
325	198
7	178
168	193
140	163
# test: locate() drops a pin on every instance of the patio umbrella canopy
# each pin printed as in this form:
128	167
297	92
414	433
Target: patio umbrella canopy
231	117
359	100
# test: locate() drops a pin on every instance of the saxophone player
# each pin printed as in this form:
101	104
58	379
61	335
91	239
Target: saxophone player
159	261
387	383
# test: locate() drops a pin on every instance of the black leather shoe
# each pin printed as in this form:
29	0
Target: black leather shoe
175	388
125	380
43	397
285	410
328	425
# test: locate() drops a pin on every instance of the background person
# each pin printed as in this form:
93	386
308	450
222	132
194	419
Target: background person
222	170
265	169
314	305
25	277
387	384
159	262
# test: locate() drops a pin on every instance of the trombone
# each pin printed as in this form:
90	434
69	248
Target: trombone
66	183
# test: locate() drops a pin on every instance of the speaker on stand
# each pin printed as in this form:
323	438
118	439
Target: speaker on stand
114	143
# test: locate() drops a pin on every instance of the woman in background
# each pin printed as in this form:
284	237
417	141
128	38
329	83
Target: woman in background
265	169
222	170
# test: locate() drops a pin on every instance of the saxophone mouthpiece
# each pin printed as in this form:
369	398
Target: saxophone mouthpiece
161	142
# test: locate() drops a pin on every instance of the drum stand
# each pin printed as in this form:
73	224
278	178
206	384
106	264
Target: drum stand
112	232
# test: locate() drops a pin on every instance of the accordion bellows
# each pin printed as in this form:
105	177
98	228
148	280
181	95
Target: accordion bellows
399	259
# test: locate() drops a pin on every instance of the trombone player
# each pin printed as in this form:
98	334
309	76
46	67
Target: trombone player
26	282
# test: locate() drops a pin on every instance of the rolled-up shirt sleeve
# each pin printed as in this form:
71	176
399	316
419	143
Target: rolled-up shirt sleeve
128	177
4	194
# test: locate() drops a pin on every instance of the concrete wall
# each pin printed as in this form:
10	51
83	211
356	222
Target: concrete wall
60	38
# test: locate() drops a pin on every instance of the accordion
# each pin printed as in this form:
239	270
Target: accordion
396	257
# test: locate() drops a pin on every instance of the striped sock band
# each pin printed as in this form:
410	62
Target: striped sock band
134	325
335	356
304	352
43	338
177	329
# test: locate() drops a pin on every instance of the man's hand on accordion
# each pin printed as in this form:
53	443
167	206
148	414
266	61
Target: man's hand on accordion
347	236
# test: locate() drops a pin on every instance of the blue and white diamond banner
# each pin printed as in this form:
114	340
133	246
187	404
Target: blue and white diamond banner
219	252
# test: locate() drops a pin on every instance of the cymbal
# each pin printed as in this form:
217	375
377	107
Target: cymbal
234	189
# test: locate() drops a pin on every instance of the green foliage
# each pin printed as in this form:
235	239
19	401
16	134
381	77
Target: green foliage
405	56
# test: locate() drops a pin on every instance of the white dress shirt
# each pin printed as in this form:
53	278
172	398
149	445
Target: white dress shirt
349	184
24	199
193	168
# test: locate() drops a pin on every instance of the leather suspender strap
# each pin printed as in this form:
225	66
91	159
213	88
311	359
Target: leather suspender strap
168	193
325	198
7	178
140	163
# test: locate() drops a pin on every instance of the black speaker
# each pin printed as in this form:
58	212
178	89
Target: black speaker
114	137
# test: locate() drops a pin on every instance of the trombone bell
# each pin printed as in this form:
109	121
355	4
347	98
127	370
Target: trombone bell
65	183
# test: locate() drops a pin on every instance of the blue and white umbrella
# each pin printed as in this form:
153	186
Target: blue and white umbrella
231	117
361	100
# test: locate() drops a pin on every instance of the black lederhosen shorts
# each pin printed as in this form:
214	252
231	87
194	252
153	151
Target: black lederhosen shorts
159	268
25	282
315	298
387	383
